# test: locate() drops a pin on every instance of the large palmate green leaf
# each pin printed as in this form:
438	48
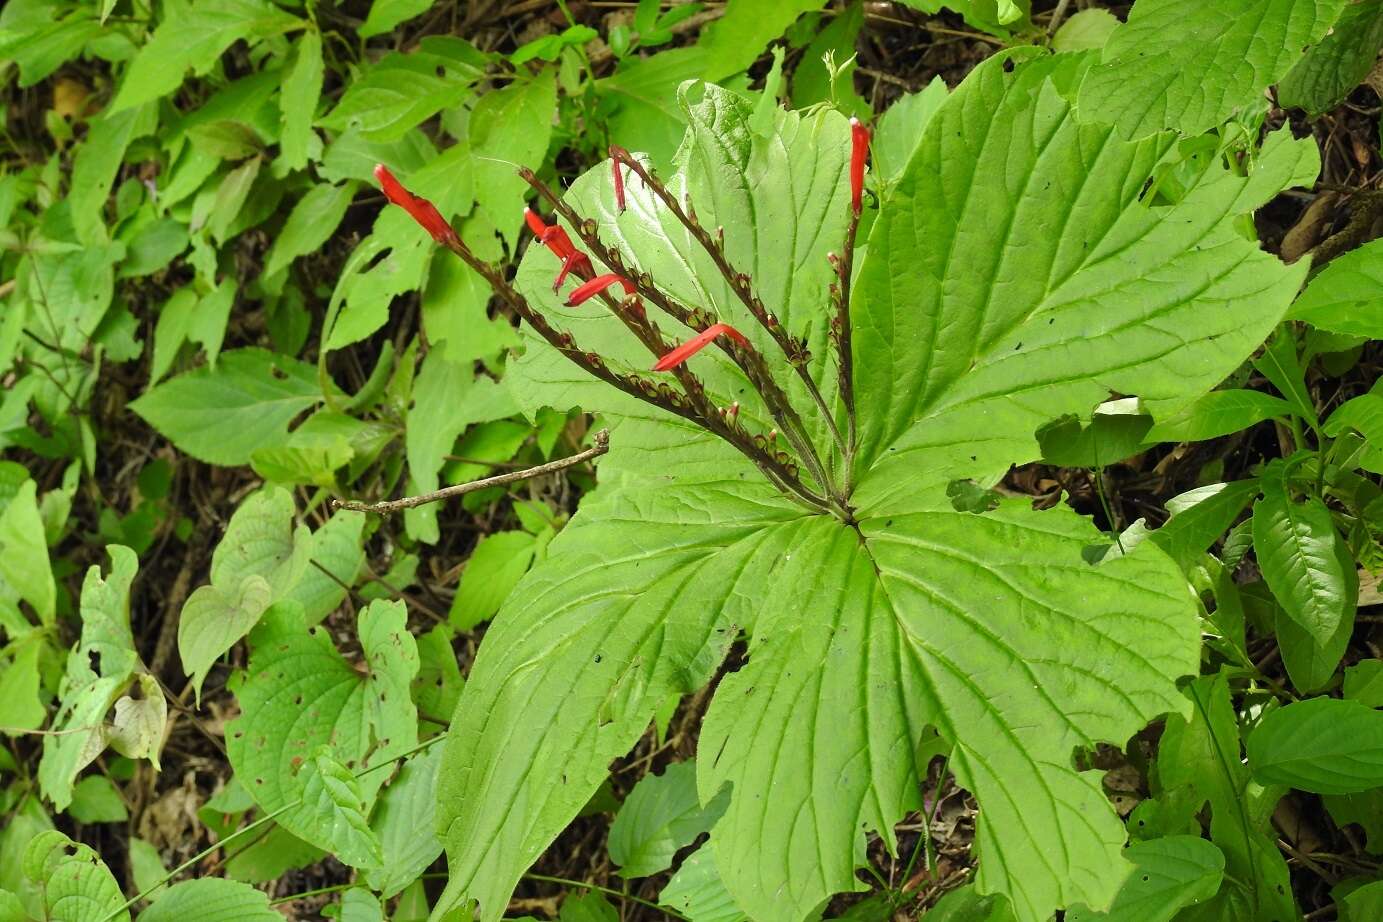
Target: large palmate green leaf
1190	65
995	629
1015	276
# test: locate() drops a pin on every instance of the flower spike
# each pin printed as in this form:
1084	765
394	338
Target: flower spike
697	343
618	169
859	149
555	238
422	211
595	286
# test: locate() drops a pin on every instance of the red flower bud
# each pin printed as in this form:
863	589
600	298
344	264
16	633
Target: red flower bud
422	211
859	149
697	343
595	286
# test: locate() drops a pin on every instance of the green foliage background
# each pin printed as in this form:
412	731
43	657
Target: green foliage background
1116	258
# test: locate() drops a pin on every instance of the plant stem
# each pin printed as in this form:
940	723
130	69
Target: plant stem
602	445
606	890
701	410
739	283
845	269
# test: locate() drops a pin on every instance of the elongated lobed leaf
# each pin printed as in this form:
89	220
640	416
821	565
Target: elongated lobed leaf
1016	276
639	597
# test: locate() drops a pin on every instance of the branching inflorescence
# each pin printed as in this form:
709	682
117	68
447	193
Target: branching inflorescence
826	484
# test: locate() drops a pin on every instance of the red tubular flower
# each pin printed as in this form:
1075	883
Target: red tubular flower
422	211
595	286
697	343
535	223
859	149
555	239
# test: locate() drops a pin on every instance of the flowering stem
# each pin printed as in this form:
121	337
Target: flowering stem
844	269
748	359
797	355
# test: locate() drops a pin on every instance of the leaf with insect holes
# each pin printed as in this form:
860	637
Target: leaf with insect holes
1188	65
1013	276
101	669
301	694
73	883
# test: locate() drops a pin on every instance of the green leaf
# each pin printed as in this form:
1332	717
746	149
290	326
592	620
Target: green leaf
95	800
226	139
336	548
386	14
1199	518
1198	763
301	694
1321	745
221	416
146	868
310	224
96	164
211	899
965	904
207	323
997	17
1280	364
1063	295
231	196
405	820
736	40
20	705
302	87
703	551
1085	30
587	906
697	892
1118	429
661	815
496	563
1347	295
195	37
1365	809
1360	904
333	795
900	129
153	247
1364	682
100	669
1295	545
213	619
1331	70
398	93
25	569
1168	874
1219	413
41	46
510	128
1189	66
991	628
75	885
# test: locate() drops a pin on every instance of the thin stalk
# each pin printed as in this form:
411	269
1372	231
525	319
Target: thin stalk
844	269
714	246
